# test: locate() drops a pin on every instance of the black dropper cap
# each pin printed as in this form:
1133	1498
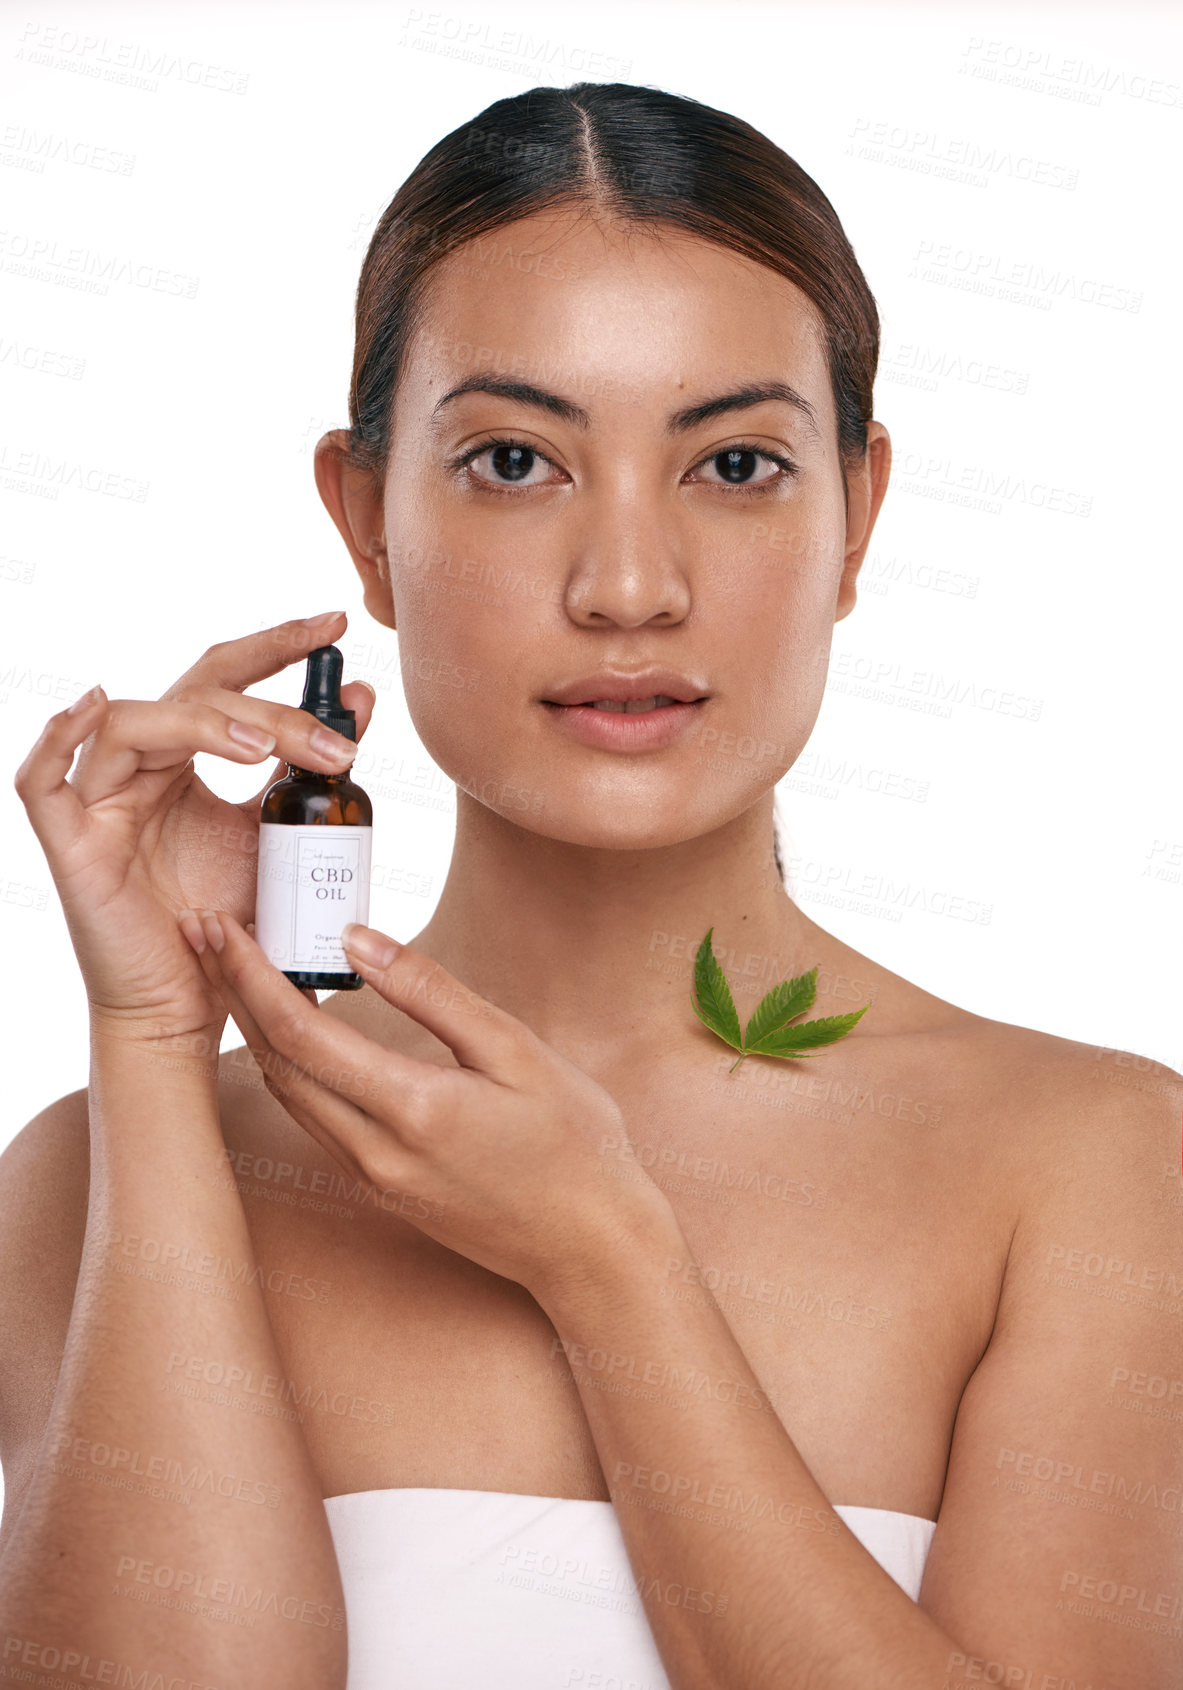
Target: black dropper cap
322	691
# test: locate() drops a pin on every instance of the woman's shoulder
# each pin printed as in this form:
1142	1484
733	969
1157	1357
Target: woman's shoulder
1043	1077
1061	1113
1051	1071
1032	1089
998	1068
44	1193
903	1009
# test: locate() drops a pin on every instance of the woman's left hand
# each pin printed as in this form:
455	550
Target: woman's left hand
507	1149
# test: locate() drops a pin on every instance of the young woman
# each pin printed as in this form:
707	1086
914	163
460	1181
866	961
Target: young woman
487	1326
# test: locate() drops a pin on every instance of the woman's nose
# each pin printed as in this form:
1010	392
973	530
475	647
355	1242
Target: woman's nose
628	571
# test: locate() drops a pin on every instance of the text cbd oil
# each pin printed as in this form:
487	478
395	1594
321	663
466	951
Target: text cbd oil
315	832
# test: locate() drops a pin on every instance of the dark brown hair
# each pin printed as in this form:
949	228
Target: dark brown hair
640	155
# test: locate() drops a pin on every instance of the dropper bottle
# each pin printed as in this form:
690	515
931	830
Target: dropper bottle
315	836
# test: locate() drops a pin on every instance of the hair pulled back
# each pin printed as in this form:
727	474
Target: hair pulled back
636	154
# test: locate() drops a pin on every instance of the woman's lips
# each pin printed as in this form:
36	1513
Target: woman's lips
616	730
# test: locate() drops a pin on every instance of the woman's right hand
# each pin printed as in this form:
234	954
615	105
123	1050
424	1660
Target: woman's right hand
135	836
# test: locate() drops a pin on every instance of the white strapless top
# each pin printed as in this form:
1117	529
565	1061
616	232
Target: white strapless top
490	1590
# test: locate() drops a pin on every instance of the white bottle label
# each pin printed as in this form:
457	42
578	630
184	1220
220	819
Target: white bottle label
311	881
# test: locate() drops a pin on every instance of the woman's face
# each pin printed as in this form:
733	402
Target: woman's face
629	521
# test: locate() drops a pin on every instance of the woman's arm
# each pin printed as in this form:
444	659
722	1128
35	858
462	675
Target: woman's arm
1057	1558
748	1577
168	1526
506	1148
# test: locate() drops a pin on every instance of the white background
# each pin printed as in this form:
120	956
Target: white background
962	146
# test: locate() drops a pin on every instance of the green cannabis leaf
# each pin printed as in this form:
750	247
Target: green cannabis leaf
768	1032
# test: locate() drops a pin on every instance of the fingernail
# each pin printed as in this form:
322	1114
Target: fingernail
194	933
213	929
83	703
323	620
369	945
332	744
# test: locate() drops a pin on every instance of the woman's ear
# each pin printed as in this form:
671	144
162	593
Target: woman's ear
354	499
867	488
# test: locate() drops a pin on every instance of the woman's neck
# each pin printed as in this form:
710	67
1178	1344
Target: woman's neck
594	948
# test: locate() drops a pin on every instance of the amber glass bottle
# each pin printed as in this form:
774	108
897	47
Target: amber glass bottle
315	834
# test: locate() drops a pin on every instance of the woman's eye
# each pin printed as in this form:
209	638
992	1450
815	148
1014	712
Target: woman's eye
511	464
736	467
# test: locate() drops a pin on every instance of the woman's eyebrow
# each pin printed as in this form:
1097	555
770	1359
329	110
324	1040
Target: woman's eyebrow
740	399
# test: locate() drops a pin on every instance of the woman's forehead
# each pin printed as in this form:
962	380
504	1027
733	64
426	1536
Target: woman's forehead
625	312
